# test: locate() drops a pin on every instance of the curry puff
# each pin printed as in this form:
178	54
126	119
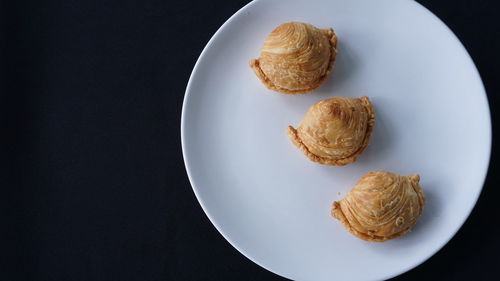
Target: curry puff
296	58
381	206
335	131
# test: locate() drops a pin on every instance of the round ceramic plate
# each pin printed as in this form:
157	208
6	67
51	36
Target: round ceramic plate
273	204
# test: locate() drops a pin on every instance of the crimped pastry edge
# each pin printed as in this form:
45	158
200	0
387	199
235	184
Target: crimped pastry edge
339	215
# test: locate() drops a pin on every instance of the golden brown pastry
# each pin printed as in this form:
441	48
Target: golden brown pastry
381	206
296	58
335	131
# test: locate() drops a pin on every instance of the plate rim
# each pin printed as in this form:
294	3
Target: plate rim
403	270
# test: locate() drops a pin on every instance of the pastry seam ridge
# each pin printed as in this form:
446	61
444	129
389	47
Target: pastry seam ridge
420	193
254	64
339	215
292	133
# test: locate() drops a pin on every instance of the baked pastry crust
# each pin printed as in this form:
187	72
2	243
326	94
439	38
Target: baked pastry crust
296	58
335	131
381	206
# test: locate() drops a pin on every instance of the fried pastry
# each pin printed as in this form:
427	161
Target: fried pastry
296	58
335	131
381	206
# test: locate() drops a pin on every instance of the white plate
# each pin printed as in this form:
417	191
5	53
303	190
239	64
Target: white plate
273	204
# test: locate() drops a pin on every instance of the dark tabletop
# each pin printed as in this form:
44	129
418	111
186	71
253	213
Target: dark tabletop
93	180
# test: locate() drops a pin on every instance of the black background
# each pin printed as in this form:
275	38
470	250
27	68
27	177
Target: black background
93	181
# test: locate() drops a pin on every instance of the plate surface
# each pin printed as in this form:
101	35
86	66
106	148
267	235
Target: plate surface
270	202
